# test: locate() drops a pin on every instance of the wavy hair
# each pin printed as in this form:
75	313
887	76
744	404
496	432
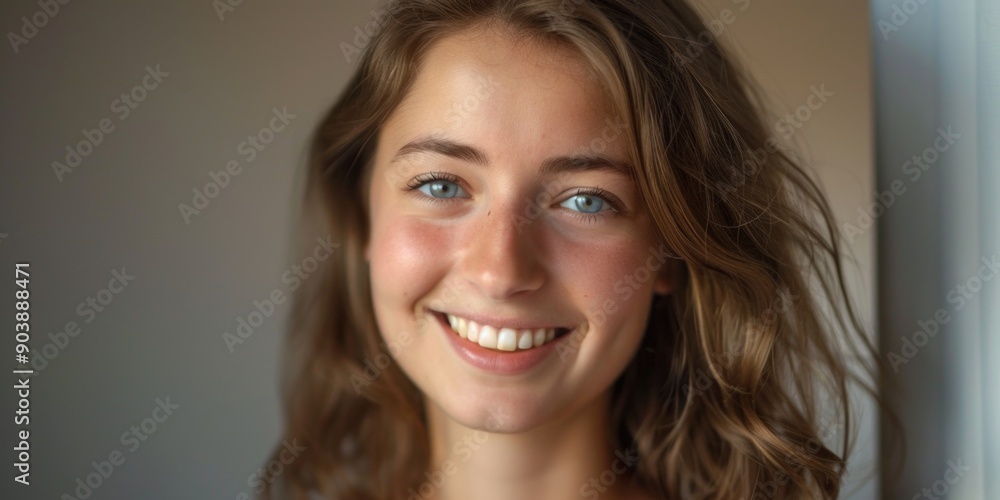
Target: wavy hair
727	397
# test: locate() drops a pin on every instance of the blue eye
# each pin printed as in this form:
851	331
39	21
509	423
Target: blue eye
437	186
440	189
586	203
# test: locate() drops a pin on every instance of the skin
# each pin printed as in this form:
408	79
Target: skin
545	433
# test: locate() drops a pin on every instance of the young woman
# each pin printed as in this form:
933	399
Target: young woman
574	264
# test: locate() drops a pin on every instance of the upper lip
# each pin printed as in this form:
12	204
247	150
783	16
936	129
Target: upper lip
517	323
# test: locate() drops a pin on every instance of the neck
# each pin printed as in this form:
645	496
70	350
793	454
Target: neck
570	458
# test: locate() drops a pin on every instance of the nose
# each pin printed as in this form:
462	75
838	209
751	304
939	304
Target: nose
501	258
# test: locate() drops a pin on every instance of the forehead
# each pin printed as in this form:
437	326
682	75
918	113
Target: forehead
517	98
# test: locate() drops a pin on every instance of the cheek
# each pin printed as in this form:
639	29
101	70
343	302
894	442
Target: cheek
612	287
405	260
609	281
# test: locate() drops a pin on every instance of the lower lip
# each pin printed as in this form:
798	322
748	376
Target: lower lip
498	362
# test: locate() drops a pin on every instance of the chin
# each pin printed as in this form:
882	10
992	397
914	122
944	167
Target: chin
497	411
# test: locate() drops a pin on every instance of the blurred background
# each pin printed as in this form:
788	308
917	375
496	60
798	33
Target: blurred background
152	156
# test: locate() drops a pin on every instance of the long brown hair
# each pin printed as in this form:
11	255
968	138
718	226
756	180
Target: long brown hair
723	398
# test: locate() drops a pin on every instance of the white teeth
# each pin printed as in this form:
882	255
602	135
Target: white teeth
540	337
473	331
500	338
507	340
488	336
524	340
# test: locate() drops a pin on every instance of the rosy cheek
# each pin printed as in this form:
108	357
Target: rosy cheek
407	256
598	276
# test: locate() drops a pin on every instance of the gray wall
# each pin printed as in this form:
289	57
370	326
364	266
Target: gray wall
161	336
938	67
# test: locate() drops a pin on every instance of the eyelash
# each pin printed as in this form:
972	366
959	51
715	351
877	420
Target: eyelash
419	181
615	206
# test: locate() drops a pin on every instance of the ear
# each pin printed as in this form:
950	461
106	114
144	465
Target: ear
666	279
664	284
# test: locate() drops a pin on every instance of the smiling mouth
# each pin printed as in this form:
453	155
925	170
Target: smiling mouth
500	338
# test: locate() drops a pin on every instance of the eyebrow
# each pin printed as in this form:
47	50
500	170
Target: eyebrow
551	166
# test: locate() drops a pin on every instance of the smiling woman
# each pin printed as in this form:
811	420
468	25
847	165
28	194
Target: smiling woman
558	278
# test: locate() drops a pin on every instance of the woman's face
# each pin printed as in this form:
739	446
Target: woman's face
501	196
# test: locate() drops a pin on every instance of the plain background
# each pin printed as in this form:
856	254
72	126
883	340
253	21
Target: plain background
162	336
937	67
